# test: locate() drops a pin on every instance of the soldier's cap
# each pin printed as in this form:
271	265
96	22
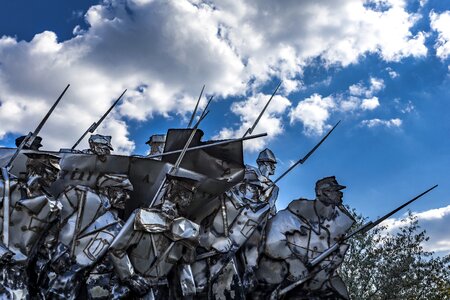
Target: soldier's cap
156	138
266	156
47	158
101	139
114	180
184	182
329	183
35	145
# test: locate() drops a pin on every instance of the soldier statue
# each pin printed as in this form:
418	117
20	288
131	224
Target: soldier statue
99	145
300	233
31	211
89	222
155	240
231	235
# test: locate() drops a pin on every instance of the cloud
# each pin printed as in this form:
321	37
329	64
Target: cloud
392	123
441	24
433	221
164	51
370	104
313	112
249	110
375	85
392	73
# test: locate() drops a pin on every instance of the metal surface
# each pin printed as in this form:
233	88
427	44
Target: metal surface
212	231
6	206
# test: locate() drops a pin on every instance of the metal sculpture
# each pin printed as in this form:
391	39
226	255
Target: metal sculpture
187	221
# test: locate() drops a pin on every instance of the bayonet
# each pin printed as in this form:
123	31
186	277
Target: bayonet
95	125
303	160
250	130
205	111
31	136
196	106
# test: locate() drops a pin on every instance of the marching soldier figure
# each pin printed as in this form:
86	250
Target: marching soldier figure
31	210
233	232
300	233
154	240
88	224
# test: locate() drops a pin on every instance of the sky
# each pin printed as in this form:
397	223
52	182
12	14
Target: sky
381	67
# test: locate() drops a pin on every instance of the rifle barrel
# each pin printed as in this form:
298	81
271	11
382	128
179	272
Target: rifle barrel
196	106
95	125
107	112
302	160
250	130
41	124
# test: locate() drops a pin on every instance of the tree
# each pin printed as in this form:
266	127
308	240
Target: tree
394	265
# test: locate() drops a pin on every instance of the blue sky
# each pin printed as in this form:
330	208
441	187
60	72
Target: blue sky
382	67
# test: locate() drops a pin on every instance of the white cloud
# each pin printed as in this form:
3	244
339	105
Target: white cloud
164	51
441	24
370	104
249	110
392	73
392	123
376	85
313	112
433	221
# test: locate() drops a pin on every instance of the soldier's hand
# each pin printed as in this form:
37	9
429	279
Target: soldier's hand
138	284
222	245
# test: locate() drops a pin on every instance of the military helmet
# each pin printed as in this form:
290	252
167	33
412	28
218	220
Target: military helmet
114	180
266	156
34	146
101	139
328	183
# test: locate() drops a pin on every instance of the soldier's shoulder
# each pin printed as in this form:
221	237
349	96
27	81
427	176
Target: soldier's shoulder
251	173
301	206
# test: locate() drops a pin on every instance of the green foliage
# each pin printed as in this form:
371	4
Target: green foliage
393	265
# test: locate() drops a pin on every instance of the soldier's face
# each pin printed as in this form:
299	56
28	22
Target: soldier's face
267	168
332	196
100	149
118	197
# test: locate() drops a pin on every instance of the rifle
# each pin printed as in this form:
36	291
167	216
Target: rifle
205	111
94	125
196	106
31	136
250	130
366	227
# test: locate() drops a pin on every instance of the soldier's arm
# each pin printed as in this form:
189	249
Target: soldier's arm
241	229
126	238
